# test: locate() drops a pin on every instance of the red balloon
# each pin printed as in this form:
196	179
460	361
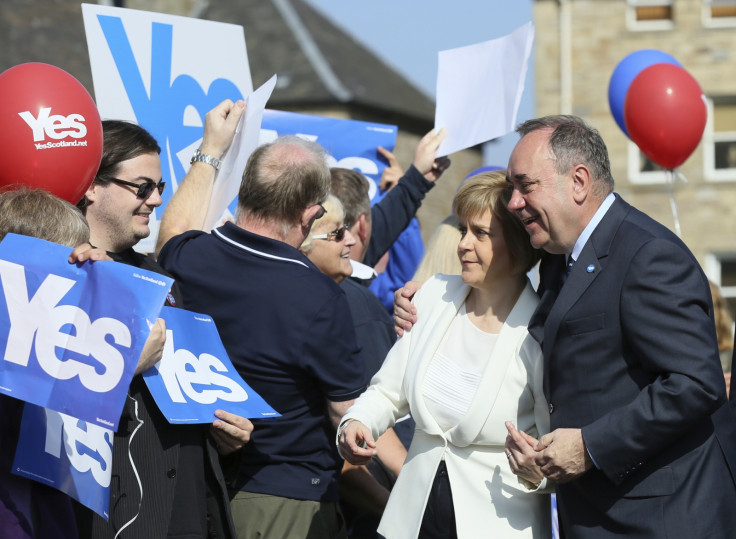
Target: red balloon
51	131
665	114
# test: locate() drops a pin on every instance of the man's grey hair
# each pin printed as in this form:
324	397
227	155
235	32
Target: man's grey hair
352	188
574	142
283	178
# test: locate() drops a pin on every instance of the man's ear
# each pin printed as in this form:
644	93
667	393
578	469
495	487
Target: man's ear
582	183
308	216
362	228
92	191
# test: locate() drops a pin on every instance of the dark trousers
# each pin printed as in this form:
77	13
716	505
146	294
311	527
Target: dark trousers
439	515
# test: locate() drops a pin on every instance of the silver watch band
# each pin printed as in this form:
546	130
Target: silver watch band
204	158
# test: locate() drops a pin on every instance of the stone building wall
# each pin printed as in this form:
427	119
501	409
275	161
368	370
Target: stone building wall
600	39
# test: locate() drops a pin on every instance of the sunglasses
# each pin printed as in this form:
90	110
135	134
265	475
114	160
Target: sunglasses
337	234
320	213
144	189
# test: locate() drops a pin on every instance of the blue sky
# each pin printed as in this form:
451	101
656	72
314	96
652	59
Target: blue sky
408	34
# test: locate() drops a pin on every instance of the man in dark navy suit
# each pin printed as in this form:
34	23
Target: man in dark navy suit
643	440
640	441
732	397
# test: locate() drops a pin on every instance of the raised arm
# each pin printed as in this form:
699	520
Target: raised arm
393	213
392	173
186	210
425	159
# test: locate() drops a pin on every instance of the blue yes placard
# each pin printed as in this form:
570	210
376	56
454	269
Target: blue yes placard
353	144
195	376
68	454
350	143
71	335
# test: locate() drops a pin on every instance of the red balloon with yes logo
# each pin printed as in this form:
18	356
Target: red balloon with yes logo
50	131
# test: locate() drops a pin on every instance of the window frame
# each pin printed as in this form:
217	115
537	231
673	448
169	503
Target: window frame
636	25
709	21
710	138
638	176
713	270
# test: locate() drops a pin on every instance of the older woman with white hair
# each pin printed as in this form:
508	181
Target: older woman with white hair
362	494
329	242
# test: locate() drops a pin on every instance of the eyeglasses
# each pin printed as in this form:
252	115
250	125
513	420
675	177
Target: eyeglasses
337	234
144	189
320	213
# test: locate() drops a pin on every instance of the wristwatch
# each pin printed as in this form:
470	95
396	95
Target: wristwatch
204	158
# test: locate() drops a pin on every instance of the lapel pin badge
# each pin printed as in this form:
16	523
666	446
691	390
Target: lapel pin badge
590	268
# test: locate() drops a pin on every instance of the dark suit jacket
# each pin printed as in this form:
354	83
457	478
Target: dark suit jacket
148	456
731	388
393	213
631	358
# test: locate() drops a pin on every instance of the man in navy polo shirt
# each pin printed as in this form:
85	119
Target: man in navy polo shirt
286	327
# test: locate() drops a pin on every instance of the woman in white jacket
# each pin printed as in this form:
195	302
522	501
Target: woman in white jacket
467	366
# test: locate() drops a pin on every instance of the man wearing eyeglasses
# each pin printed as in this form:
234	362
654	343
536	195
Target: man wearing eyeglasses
285	325
126	190
167	480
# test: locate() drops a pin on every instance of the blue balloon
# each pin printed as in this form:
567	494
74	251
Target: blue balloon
625	73
481	170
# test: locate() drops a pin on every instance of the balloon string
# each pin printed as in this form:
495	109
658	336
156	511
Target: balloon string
680	176
673	203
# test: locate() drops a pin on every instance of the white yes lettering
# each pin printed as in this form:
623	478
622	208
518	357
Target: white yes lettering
88	447
39	321
180	370
54	126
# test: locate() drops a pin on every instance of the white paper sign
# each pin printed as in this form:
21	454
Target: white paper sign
479	89
227	182
165	73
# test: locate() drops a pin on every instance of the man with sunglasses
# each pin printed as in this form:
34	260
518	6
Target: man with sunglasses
119	203
166	479
285	325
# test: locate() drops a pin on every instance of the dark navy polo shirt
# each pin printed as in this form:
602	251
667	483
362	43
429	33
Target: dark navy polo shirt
288	330
373	326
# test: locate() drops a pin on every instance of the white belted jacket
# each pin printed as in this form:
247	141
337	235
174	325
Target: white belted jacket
489	500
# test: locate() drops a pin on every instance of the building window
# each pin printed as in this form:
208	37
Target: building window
719	139
721	269
642	170
650	14
719	13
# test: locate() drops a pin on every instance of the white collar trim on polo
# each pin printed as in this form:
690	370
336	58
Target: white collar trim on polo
255	251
